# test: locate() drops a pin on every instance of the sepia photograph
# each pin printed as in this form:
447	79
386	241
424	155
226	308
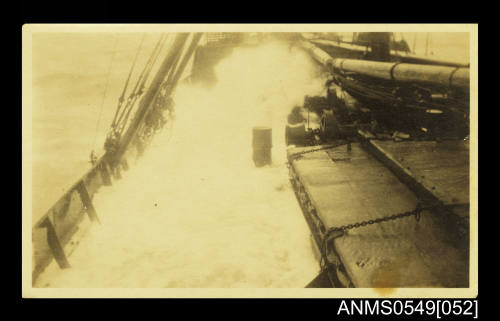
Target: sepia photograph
249	160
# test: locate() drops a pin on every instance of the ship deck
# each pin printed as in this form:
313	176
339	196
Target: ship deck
381	178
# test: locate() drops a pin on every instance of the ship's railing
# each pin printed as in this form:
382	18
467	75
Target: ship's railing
53	232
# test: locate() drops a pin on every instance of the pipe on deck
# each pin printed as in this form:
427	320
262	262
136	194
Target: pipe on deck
402	72
454	77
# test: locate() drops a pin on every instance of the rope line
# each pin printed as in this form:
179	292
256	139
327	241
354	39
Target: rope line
138	88
148	68
122	97
105	91
135	92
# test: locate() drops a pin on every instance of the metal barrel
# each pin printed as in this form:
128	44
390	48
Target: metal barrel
262	144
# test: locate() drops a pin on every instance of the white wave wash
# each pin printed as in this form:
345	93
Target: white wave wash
194	211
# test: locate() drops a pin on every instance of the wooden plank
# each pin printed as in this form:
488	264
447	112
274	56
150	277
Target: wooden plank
64	217
103	168
55	245
347	187
334	187
442	168
87	202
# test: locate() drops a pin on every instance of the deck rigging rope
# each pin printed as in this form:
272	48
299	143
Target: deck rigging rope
113	138
356	89
147	72
119	125
104	94
122	97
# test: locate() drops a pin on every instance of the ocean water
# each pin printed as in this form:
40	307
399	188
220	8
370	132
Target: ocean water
450	46
74	74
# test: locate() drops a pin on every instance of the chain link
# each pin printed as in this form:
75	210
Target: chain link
339	231
299	154
415	212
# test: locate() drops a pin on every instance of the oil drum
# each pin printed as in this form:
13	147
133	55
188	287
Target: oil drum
262	144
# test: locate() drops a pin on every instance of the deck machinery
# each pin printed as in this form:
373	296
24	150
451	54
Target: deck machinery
382	169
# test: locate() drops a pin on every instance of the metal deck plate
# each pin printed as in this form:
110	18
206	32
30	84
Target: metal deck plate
442	168
347	187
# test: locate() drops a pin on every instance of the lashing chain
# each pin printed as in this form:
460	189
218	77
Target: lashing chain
335	232
299	154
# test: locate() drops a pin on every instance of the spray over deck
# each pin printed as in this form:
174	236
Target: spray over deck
195	211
